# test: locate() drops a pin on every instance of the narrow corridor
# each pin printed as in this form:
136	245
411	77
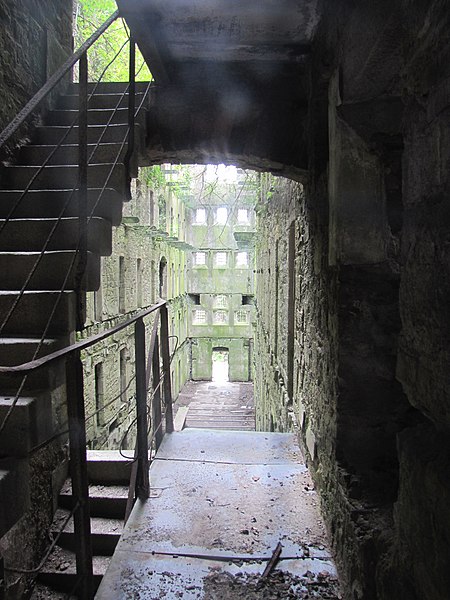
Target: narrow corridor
220	504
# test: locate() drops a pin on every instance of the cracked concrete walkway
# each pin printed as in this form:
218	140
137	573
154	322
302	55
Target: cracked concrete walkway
220	503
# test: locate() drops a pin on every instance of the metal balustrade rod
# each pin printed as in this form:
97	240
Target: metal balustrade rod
78	471
156	403
165	355
142	476
131	115
83	187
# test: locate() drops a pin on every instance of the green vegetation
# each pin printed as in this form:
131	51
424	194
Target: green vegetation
89	15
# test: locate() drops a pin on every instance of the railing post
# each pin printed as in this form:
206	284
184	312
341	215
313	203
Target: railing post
131	114
142	481
78	471
156	404
82	186
165	355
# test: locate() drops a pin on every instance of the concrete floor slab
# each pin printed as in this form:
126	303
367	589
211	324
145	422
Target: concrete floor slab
220	503
234	447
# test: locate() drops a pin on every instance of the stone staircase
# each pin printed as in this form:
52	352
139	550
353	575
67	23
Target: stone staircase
51	197
109	476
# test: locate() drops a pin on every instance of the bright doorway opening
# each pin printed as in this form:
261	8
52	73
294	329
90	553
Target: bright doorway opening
220	365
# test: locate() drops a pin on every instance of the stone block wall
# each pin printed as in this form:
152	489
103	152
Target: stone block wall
130	282
371	294
35	39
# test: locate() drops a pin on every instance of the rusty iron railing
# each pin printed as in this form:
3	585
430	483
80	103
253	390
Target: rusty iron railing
149	380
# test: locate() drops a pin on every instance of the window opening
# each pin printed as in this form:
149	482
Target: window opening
99	395
123	374
242	259
242	216
139	283
200	216
200	258
241	317
221	301
121	284
98	301
220	317
199	317
163	278
195	298
221	215
221	259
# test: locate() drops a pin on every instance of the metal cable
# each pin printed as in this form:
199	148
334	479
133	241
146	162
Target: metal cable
63	288
61	214
50	549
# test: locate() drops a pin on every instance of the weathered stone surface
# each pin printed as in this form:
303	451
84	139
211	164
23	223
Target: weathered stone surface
35	39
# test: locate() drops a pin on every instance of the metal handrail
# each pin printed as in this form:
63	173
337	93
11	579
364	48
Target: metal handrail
38	363
31	106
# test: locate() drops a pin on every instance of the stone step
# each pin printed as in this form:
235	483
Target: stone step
104	500
105	100
108	467
108	87
49	135
33	311
96	116
55	269
19	350
59	573
221	427
50	203
67	154
44	591
16	177
14	492
31	235
105	533
30	423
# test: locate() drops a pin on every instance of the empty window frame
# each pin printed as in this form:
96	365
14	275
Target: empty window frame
195	299
221	215
220	259
242	216
199	317
98	301
199	259
139	299
221	301
220	317
123	374
121	284
241	317
200	216
242	259
99	395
